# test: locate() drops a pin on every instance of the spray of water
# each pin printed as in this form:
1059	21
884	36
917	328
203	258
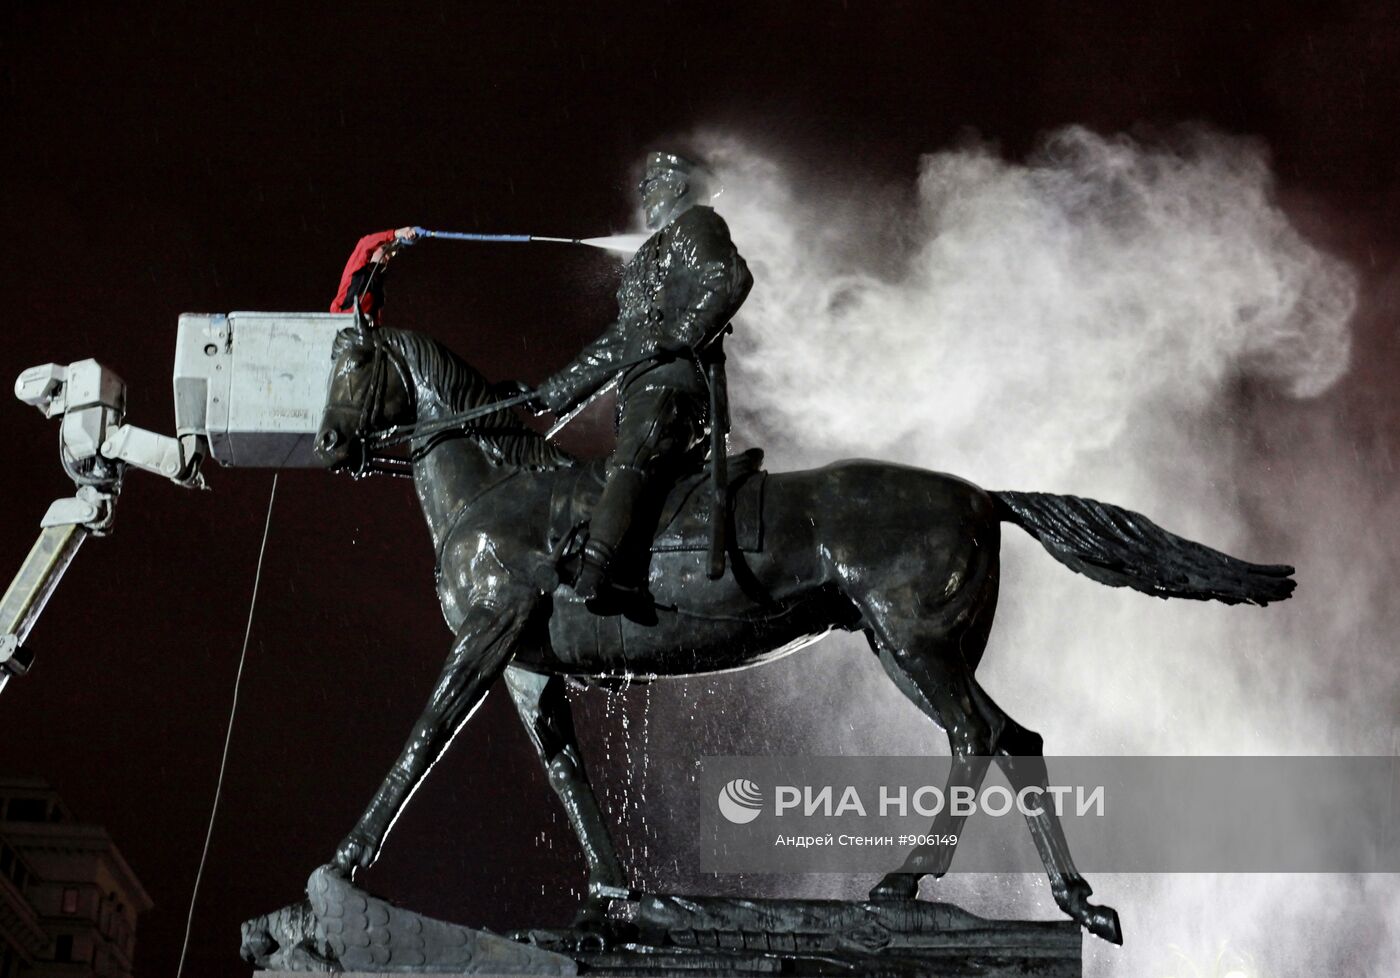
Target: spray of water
1135	322
622	244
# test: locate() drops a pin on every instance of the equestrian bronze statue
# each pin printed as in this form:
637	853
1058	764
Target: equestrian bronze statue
908	558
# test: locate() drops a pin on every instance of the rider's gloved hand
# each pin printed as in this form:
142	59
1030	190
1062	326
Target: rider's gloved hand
514	388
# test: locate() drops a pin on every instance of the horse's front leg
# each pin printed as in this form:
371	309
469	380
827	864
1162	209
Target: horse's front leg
481	650
544	708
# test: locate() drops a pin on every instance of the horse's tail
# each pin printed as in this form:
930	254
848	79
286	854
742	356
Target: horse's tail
1120	548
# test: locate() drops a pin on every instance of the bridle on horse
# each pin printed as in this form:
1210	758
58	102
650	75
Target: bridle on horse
371	405
373	461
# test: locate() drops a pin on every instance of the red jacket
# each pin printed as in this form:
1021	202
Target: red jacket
359	267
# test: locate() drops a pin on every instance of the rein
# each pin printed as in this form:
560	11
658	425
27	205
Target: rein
376	439
402	433
375	462
398	434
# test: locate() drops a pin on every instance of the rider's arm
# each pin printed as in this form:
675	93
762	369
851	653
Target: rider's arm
708	283
590	370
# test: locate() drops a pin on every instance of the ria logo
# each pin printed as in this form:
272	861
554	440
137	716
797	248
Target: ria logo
740	801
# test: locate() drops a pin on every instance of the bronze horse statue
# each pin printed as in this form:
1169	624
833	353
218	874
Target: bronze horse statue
908	557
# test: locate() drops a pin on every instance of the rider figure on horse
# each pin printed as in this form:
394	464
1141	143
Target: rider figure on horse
678	293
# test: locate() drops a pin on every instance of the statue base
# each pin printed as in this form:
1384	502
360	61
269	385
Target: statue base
343	929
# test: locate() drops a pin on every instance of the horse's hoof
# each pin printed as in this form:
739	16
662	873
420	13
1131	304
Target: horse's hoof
896	886
588	939
1103	923
342	863
351	855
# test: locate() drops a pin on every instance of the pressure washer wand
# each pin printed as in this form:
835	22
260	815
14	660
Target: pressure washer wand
628	243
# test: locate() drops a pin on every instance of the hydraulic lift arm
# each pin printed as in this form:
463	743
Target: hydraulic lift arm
96	447
250	388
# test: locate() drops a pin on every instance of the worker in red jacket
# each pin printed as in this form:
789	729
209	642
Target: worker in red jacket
363	277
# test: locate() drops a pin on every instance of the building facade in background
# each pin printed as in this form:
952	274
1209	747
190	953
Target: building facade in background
69	903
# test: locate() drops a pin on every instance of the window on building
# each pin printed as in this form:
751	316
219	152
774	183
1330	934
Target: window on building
63	947
11	867
70	899
28	810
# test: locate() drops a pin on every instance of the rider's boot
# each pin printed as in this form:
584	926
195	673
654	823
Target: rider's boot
611	518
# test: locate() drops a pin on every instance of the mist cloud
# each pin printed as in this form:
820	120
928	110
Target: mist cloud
1062	295
1136	322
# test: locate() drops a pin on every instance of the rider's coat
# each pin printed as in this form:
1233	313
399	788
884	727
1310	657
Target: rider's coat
681	287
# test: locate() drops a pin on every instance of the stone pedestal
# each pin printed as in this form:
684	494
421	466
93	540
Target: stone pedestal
341	928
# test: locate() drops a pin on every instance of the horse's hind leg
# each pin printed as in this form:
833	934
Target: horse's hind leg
939	684
1021	758
979	729
544	709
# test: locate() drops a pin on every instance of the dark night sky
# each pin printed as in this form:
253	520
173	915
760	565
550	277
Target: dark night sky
174	158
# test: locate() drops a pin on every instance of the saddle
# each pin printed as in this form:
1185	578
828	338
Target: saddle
683	521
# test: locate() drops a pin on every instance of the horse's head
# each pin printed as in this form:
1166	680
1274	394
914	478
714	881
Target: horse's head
370	391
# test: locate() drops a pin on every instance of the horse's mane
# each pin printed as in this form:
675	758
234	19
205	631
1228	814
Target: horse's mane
458	386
